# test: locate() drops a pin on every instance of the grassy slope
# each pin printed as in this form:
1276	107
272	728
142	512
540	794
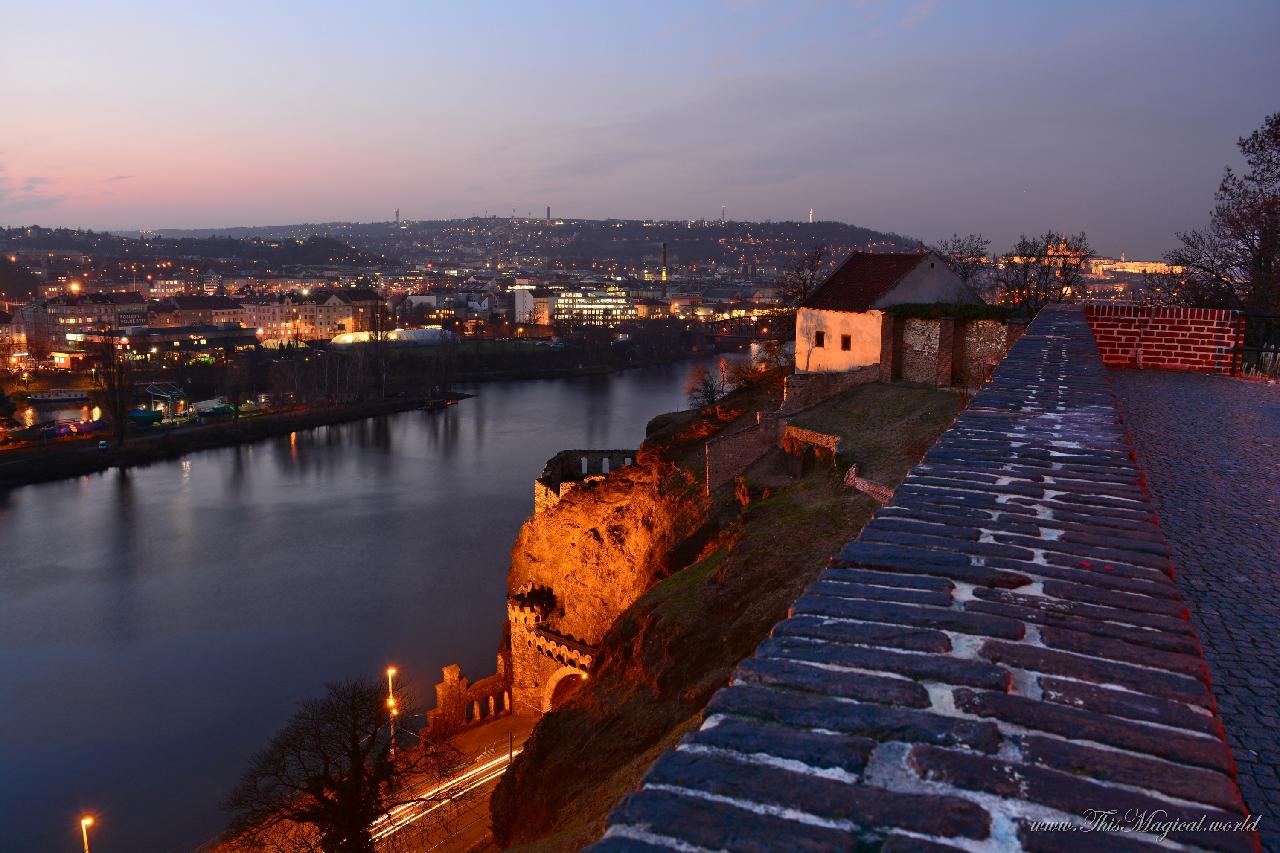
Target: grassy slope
664	657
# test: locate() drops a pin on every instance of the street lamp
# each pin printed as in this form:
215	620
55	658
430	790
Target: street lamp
391	706
85	823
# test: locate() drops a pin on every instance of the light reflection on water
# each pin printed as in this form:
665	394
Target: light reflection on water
157	624
31	415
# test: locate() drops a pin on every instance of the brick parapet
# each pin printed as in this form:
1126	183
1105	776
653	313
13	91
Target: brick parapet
1003	644
1197	339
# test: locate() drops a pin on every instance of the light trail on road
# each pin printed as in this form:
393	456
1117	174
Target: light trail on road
408	813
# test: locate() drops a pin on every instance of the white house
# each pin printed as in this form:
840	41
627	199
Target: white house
838	325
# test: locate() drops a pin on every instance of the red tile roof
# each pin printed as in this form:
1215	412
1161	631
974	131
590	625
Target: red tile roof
861	280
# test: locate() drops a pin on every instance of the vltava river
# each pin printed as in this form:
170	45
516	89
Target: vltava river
158	624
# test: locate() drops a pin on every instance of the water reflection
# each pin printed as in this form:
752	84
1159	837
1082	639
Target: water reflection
122	558
157	625
32	415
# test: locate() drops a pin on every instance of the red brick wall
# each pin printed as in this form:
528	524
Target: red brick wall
1198	339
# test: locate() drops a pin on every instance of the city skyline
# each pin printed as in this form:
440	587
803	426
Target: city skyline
1115	122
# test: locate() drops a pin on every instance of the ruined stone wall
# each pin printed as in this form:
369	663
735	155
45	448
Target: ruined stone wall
729	455
571	468
1197	339
803	390
460	703
797	441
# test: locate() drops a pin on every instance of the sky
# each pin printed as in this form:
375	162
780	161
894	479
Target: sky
924	117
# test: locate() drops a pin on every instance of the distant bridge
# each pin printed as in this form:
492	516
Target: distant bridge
744	330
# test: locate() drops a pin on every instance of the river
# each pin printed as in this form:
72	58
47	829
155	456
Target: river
157	625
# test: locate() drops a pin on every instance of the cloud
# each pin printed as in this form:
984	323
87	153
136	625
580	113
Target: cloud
918	12
114	178
27	195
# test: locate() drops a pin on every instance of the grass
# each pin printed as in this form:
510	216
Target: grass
885	429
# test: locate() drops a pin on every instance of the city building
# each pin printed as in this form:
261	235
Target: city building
593	307
192	309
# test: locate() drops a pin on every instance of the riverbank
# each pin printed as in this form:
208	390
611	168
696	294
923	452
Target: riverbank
536	372
76	457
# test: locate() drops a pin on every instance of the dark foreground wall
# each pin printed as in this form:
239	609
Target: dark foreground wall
1002	646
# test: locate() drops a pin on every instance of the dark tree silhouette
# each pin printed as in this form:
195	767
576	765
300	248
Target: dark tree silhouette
115	385
1040	270
804	275
1235	262
377	352
235	380
706	385
328	775
967	255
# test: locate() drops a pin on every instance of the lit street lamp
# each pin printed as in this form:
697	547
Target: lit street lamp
391	706
85	823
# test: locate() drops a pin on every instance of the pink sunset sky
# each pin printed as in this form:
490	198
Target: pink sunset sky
918	117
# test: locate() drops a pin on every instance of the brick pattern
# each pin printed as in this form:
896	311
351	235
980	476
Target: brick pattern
1198	339
1003	644
879	493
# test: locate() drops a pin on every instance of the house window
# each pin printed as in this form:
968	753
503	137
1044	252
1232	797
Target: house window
819	339
846	343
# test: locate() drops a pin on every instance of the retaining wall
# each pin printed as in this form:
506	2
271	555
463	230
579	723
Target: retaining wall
729	455
802	390
1197	339
1003	645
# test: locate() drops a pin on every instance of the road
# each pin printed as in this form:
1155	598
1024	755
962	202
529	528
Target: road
454	817
1210	447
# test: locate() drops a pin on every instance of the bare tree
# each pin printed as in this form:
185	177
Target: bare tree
1177	288
1235	262
967	255
377	351
115	385
774	357
806	338
235	380
1041	270
804	275
329	775
706	386
284	378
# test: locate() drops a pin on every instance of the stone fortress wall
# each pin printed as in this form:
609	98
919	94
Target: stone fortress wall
537	660
569	469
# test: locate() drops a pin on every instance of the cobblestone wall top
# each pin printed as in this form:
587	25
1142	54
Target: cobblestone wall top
1003	645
